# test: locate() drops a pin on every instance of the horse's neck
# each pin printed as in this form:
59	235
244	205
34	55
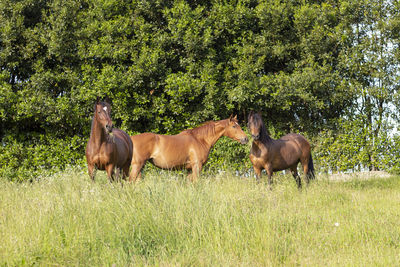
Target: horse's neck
209	140
265	144
214	138
97	134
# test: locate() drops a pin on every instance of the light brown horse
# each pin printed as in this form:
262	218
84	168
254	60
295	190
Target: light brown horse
186	150
108	148
276	155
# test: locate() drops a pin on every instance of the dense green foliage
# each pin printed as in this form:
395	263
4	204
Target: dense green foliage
223	220
170	65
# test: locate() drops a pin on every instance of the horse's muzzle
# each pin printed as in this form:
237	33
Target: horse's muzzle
244	140
255	137
109	128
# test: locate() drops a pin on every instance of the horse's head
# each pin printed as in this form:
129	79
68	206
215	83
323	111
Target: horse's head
255	124
234	131
102	113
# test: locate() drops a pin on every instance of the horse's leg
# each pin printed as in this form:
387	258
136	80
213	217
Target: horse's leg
135	171
125	172
269	171
257	171
196	168
270	181
110	172
296	176
118	174
91	171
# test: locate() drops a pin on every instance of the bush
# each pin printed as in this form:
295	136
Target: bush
26	160
353	147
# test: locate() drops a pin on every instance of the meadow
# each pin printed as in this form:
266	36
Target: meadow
223	220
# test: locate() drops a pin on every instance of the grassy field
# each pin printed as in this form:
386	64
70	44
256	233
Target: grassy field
223	220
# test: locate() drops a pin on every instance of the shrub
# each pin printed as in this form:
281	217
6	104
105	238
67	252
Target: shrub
25	160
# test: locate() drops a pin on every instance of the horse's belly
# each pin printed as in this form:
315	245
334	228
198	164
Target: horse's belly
169	163
170	155
101	167
98	163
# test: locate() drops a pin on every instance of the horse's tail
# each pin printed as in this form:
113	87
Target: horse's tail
311	171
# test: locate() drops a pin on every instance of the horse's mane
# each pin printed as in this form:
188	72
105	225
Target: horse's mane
206	128
264	134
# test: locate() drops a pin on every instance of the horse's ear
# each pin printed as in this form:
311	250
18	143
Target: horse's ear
230	117
250	114
96	103
235	118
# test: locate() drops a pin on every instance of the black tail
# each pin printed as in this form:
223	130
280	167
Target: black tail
311	173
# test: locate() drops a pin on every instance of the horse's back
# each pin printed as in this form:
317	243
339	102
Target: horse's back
176	148
149	141
304	147
143	139
298	138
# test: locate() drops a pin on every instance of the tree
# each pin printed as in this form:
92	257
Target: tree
371	70
171	65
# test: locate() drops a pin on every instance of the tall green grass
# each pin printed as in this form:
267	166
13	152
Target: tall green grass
223	220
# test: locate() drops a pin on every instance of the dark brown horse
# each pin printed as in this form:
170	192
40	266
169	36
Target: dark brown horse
276	155
186	150
108	148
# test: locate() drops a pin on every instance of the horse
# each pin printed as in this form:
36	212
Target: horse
277	155
187	150
108	148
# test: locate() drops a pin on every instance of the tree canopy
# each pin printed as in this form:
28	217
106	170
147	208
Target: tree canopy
170	65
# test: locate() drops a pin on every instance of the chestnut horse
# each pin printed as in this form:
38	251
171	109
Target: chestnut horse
108	148
186	150
276	155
